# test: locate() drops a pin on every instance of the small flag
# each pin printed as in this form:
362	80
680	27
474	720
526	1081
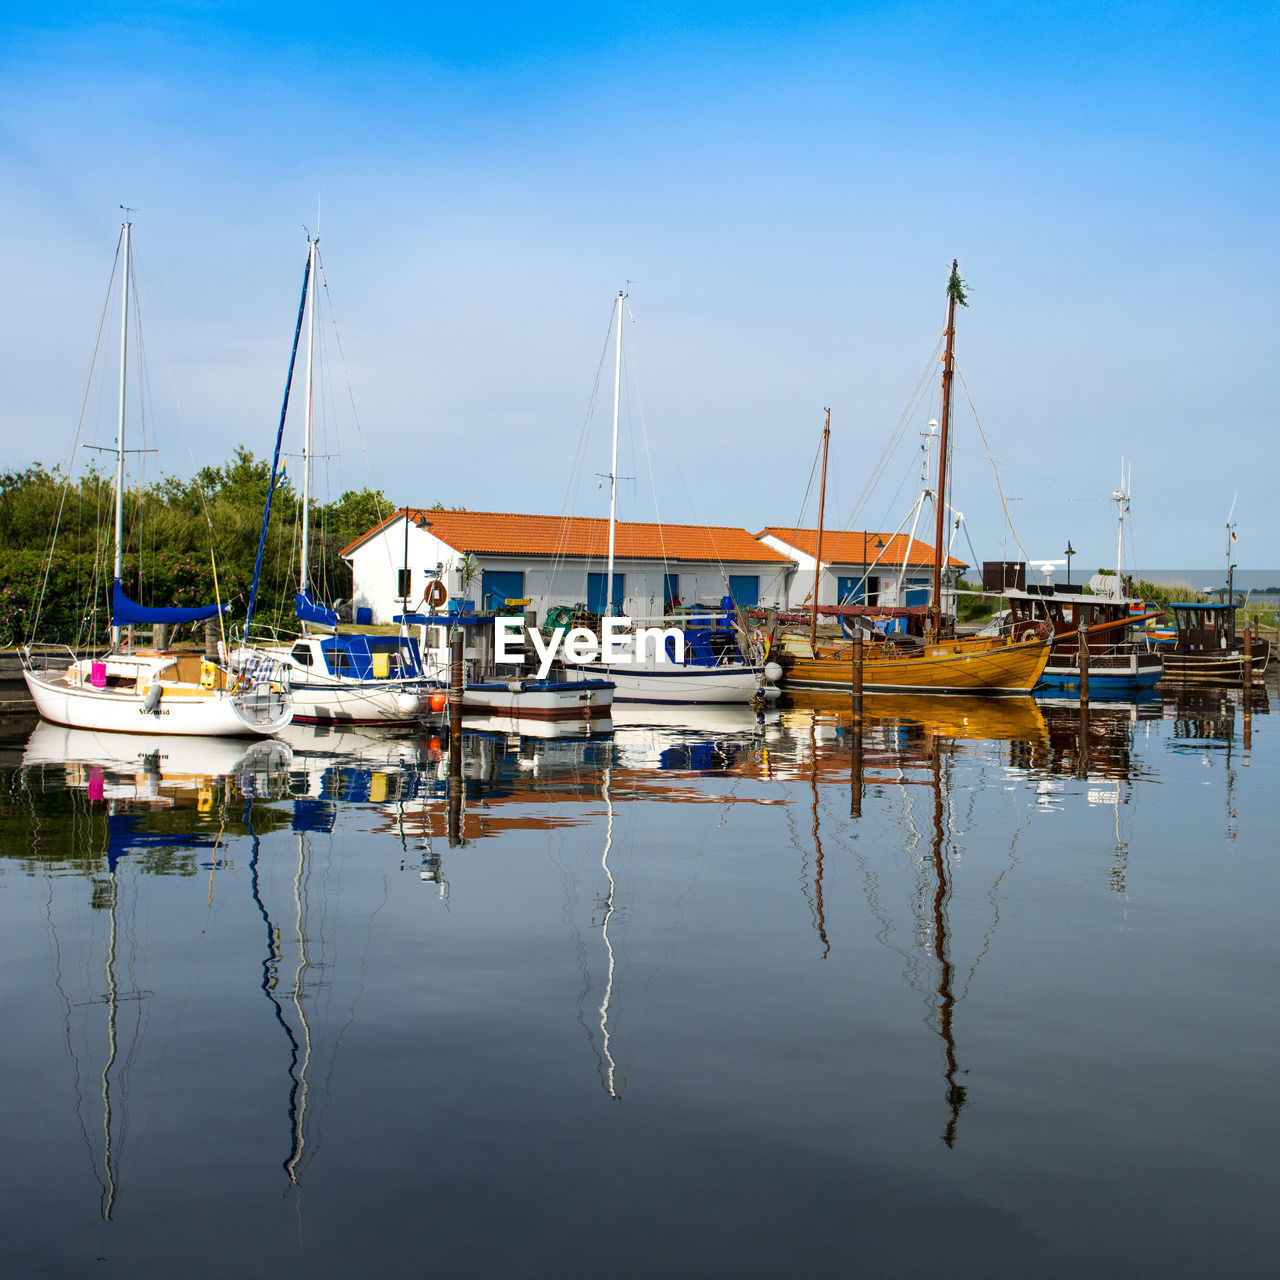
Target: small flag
1233	535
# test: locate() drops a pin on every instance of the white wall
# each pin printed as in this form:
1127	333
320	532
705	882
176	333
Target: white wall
546	583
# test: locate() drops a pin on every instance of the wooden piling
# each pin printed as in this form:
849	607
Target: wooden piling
1084	665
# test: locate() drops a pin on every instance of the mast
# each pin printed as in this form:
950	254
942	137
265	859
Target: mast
955	294
817	569
613	465
304	554
1121	498
118	564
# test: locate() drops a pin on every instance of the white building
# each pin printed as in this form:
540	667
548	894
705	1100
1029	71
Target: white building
862	568
490	558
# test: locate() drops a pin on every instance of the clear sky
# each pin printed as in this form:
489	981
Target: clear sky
783	187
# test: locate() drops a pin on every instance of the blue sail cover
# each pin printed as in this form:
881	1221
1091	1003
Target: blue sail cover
126	612
307	609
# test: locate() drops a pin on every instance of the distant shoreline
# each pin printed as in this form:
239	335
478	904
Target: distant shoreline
1256	580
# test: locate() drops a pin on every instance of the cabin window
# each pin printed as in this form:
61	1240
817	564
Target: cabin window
338	660
301	655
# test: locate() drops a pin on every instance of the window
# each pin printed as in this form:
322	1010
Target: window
404	584
301	655
670	591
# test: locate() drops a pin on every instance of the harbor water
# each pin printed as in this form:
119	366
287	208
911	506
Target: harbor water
978	988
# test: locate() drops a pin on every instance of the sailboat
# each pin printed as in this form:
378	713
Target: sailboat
167	691
712	668
938	661
336	678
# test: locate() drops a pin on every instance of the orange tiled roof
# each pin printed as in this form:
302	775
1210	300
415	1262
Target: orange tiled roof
500	533
858	548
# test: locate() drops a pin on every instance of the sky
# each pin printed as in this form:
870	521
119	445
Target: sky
780	190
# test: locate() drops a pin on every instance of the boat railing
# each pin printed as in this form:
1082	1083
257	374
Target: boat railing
38	656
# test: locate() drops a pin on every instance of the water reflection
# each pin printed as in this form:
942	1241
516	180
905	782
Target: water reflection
907	834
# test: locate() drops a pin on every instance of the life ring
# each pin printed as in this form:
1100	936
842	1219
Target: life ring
436	594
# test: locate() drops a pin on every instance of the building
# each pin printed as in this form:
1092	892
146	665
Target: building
862	568
490	558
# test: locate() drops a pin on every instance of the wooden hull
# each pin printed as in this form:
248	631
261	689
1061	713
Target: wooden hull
970	665
1211	666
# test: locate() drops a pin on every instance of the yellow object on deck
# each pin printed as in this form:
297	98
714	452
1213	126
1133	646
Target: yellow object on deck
381	665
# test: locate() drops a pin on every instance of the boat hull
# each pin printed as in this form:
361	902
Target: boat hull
540	699
1108	673
961	666
671	683
1216	667
253	713
360	702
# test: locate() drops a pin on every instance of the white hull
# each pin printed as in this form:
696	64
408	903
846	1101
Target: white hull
671	683
337	701
541	700
215	714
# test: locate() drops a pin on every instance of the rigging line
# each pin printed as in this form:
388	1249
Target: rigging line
895	438
75	444
575	474
1036	475
994	471
346	371
644	437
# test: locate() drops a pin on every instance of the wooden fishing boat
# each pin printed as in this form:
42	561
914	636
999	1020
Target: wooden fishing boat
972	664
1207	649
933	659
1117	662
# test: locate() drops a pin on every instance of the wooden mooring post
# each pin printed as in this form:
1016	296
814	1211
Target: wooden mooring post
1084	665
855	730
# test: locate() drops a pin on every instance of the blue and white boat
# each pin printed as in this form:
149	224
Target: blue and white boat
347	678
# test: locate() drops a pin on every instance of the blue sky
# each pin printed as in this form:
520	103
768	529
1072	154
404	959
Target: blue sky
783	187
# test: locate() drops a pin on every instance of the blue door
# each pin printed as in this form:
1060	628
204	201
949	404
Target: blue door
745	589
496	588
850	590
670	590
595	594
917	590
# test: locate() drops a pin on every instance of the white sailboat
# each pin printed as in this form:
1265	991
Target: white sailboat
151	691
348	678
712	668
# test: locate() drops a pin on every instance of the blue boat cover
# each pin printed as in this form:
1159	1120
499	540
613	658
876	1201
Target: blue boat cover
126	612
307	609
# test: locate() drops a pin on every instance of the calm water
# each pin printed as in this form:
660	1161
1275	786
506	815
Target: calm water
671	1002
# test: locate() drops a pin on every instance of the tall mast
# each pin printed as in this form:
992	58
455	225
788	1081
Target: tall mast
817	568
125	232
955	293
613	465
304	565
1121	499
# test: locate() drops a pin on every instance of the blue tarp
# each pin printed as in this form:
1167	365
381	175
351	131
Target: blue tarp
126	612
307	609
